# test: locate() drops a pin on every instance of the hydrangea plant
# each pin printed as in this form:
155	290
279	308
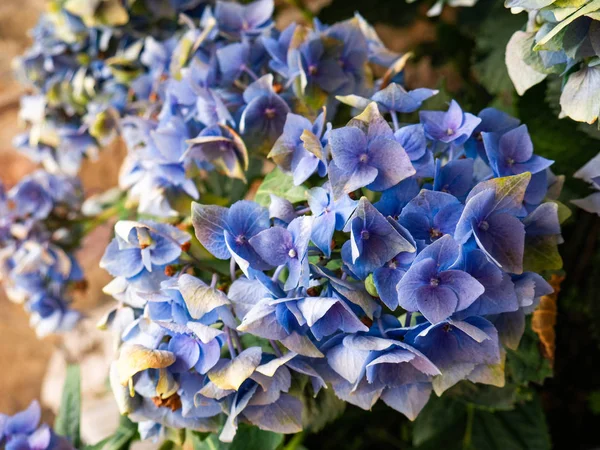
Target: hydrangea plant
560	39
266	254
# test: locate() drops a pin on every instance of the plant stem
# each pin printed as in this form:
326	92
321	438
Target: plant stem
295	442
469	427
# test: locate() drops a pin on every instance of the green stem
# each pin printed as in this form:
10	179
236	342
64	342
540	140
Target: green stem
295	442
469	427
101	218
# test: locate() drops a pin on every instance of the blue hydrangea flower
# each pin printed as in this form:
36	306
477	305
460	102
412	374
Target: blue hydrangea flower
235	19
302	147
511	153
369	368
490	218
432	287
329	215
392	98
451	343
431	215
455	177
280	246
386	278
394	199
22	431
373	240
264	115
220	146
143	245
453	126
365	154
492	120
226	232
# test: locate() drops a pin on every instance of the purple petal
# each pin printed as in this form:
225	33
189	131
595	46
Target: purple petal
436	303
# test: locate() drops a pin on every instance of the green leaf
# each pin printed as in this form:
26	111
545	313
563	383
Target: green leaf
589	8
69	416
541	253
121	440
247	438
564	212
320	410
449	424
282	185
527	363
251	438
523	428
440	422
491	40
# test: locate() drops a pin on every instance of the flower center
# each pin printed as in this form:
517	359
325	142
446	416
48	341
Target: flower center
363	158
312	69
434	282
434	234
270	113
240	239
144	238
292	253
450	131
364	235
510	162
484	226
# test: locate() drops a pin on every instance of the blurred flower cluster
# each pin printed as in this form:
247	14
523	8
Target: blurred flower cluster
38	234
82	69
23	431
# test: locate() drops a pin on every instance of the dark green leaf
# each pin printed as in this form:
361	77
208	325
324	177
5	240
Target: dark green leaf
320	411
523	428
541	253
450	424
527	363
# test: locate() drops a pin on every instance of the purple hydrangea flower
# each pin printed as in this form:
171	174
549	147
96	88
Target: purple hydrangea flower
450	127
432	287
365	154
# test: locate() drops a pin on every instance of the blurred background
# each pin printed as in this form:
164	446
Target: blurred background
462	54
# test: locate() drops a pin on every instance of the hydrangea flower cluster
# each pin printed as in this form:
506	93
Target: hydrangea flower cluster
23	431
560	38
407	265
86	69
231	80
37	240
381	260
